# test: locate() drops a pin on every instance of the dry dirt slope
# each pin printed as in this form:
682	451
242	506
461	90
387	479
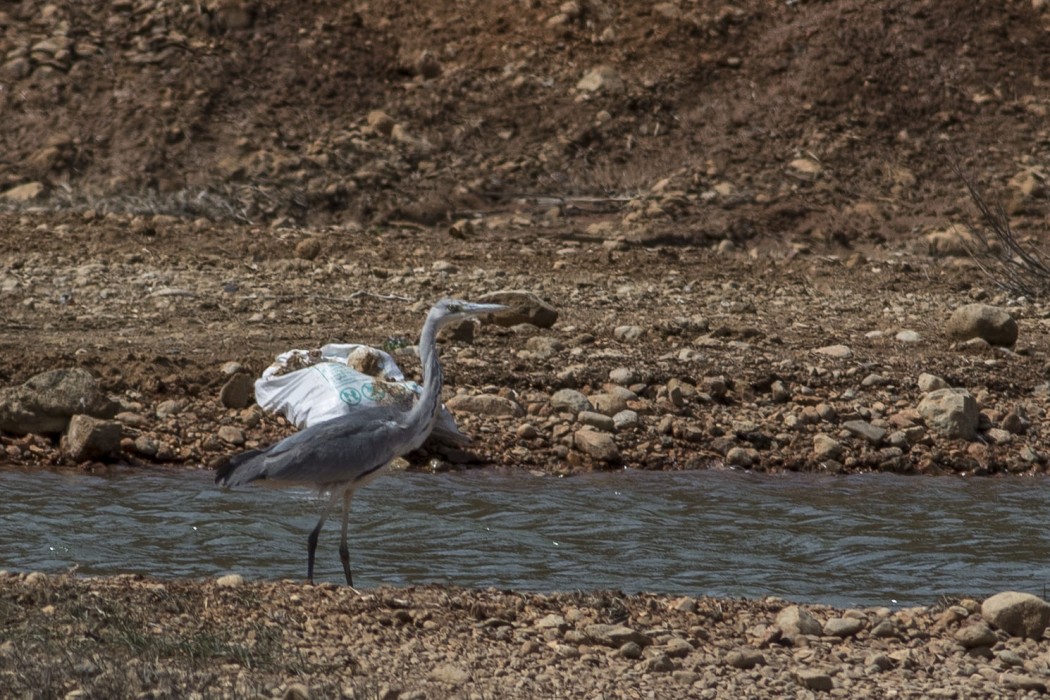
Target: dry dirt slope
265	106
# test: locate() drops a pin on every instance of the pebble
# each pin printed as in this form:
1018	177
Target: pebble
231	434
742	457
929	382
839	352
608	403
570	400
597	420
625	420
485	405
627	333
230	581
624	376
615	636
814	679
745	658
865	430
907	336
826	447
843	626
979	634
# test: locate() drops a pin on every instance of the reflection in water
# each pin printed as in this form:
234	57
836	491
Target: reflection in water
861	540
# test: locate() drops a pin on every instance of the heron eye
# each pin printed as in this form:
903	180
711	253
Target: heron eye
454	308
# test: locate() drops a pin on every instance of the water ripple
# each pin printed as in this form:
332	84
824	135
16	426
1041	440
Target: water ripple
860	540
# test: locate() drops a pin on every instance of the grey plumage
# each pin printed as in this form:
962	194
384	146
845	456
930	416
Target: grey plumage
342	454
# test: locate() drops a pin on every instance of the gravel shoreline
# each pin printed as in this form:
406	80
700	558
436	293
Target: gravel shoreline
73	637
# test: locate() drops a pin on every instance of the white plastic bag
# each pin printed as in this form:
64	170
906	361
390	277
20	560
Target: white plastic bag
310	387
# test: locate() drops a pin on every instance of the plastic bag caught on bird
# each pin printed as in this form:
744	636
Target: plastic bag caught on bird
312	386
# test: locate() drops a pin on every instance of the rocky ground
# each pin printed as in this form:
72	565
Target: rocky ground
751	221
71	637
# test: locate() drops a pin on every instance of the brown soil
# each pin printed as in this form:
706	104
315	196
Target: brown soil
226	180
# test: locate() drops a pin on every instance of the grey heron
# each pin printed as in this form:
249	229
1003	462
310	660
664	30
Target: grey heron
342	454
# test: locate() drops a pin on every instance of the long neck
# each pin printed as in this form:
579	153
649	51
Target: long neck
423	414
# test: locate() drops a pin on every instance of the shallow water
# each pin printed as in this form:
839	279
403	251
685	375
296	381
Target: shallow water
859	540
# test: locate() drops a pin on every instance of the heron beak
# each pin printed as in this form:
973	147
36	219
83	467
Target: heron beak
482	309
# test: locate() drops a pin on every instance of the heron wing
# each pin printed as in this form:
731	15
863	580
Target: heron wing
342	449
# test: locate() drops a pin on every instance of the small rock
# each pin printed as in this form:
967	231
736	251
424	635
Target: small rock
308	248
780	392
631	650
884	629
609	404
908	337
814	679
380	121
661	663
524	307
92	438
624	376
614	636
865	430
168	408
627	333
625	420
485	405
25	193
930	382
793	621
979	634
231	434
230	581
551	621
1018	614
678	648
883	662
599	421
989	323
597	445
449	673
951	412
741	457
745	658
843	626
602	78
826	447
527	431
1020	681
570	400
237	391
839	352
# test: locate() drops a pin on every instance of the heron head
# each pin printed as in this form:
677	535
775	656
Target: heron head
452	310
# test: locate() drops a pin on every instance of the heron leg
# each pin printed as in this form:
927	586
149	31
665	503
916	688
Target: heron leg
311	541
344	549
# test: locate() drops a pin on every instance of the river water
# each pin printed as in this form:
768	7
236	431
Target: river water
858	540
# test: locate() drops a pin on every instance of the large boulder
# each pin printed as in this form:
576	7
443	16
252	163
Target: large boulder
46	402
1018	614
989	323
523	307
